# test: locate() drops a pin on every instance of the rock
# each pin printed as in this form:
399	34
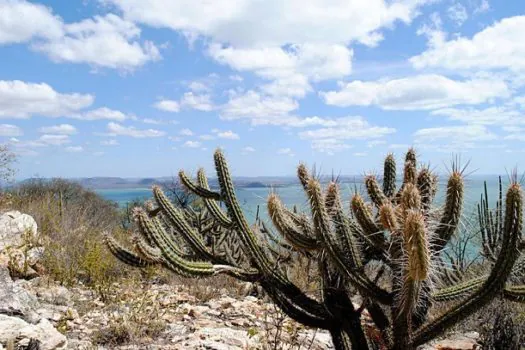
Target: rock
56	295
16	228
22	332
457	341
15	300
18	235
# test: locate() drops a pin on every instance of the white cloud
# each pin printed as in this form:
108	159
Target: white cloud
285	151
198	102
192	144
360	154
115	129
22	21
374	143
9	130
288	69
102	113
329	146
198	86
74	149
186	132
258	109
347	128
62	129
247	150
270	23
497	115
19	99
428	91
167	105
457	13
460	134
230	135
54	140
104	41
483	6
495	47
109	142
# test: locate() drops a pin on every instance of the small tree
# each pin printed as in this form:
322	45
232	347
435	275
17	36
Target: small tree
7	158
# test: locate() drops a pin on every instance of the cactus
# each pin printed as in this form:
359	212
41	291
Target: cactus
399	231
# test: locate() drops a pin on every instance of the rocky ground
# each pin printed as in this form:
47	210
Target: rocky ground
138	315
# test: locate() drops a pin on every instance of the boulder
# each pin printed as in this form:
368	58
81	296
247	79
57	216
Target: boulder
15	300
14	328
18	236
16	228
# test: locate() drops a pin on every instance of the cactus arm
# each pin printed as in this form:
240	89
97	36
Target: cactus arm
303	175
287	227
123	254
181	225
459	290
374	191
344	229
198	190
451	212
389	176
363	215
415	273
321	224
425	185
176	263
146	251
513	224
211	204
287	291
515	293
313	315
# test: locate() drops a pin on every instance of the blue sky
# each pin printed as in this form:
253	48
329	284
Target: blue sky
141	88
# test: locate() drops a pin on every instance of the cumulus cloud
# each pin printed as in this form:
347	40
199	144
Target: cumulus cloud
62	129
186	132
346	129
22	21
9	130
268	23
22	100
54	140
102	41
115	129
192	144
459	134
105	41
102	113
420	92
499	46
168	106
230	135
257	108
198	102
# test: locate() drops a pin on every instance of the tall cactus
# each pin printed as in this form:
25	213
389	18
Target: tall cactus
400	231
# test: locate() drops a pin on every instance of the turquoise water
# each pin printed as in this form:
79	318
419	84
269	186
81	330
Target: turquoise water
291	195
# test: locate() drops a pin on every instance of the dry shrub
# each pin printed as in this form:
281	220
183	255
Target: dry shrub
71	221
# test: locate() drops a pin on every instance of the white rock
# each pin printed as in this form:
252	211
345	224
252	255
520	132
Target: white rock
14	226
43	331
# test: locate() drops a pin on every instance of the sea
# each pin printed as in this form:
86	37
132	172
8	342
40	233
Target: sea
252	198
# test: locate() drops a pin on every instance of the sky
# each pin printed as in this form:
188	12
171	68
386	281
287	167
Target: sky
143	88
